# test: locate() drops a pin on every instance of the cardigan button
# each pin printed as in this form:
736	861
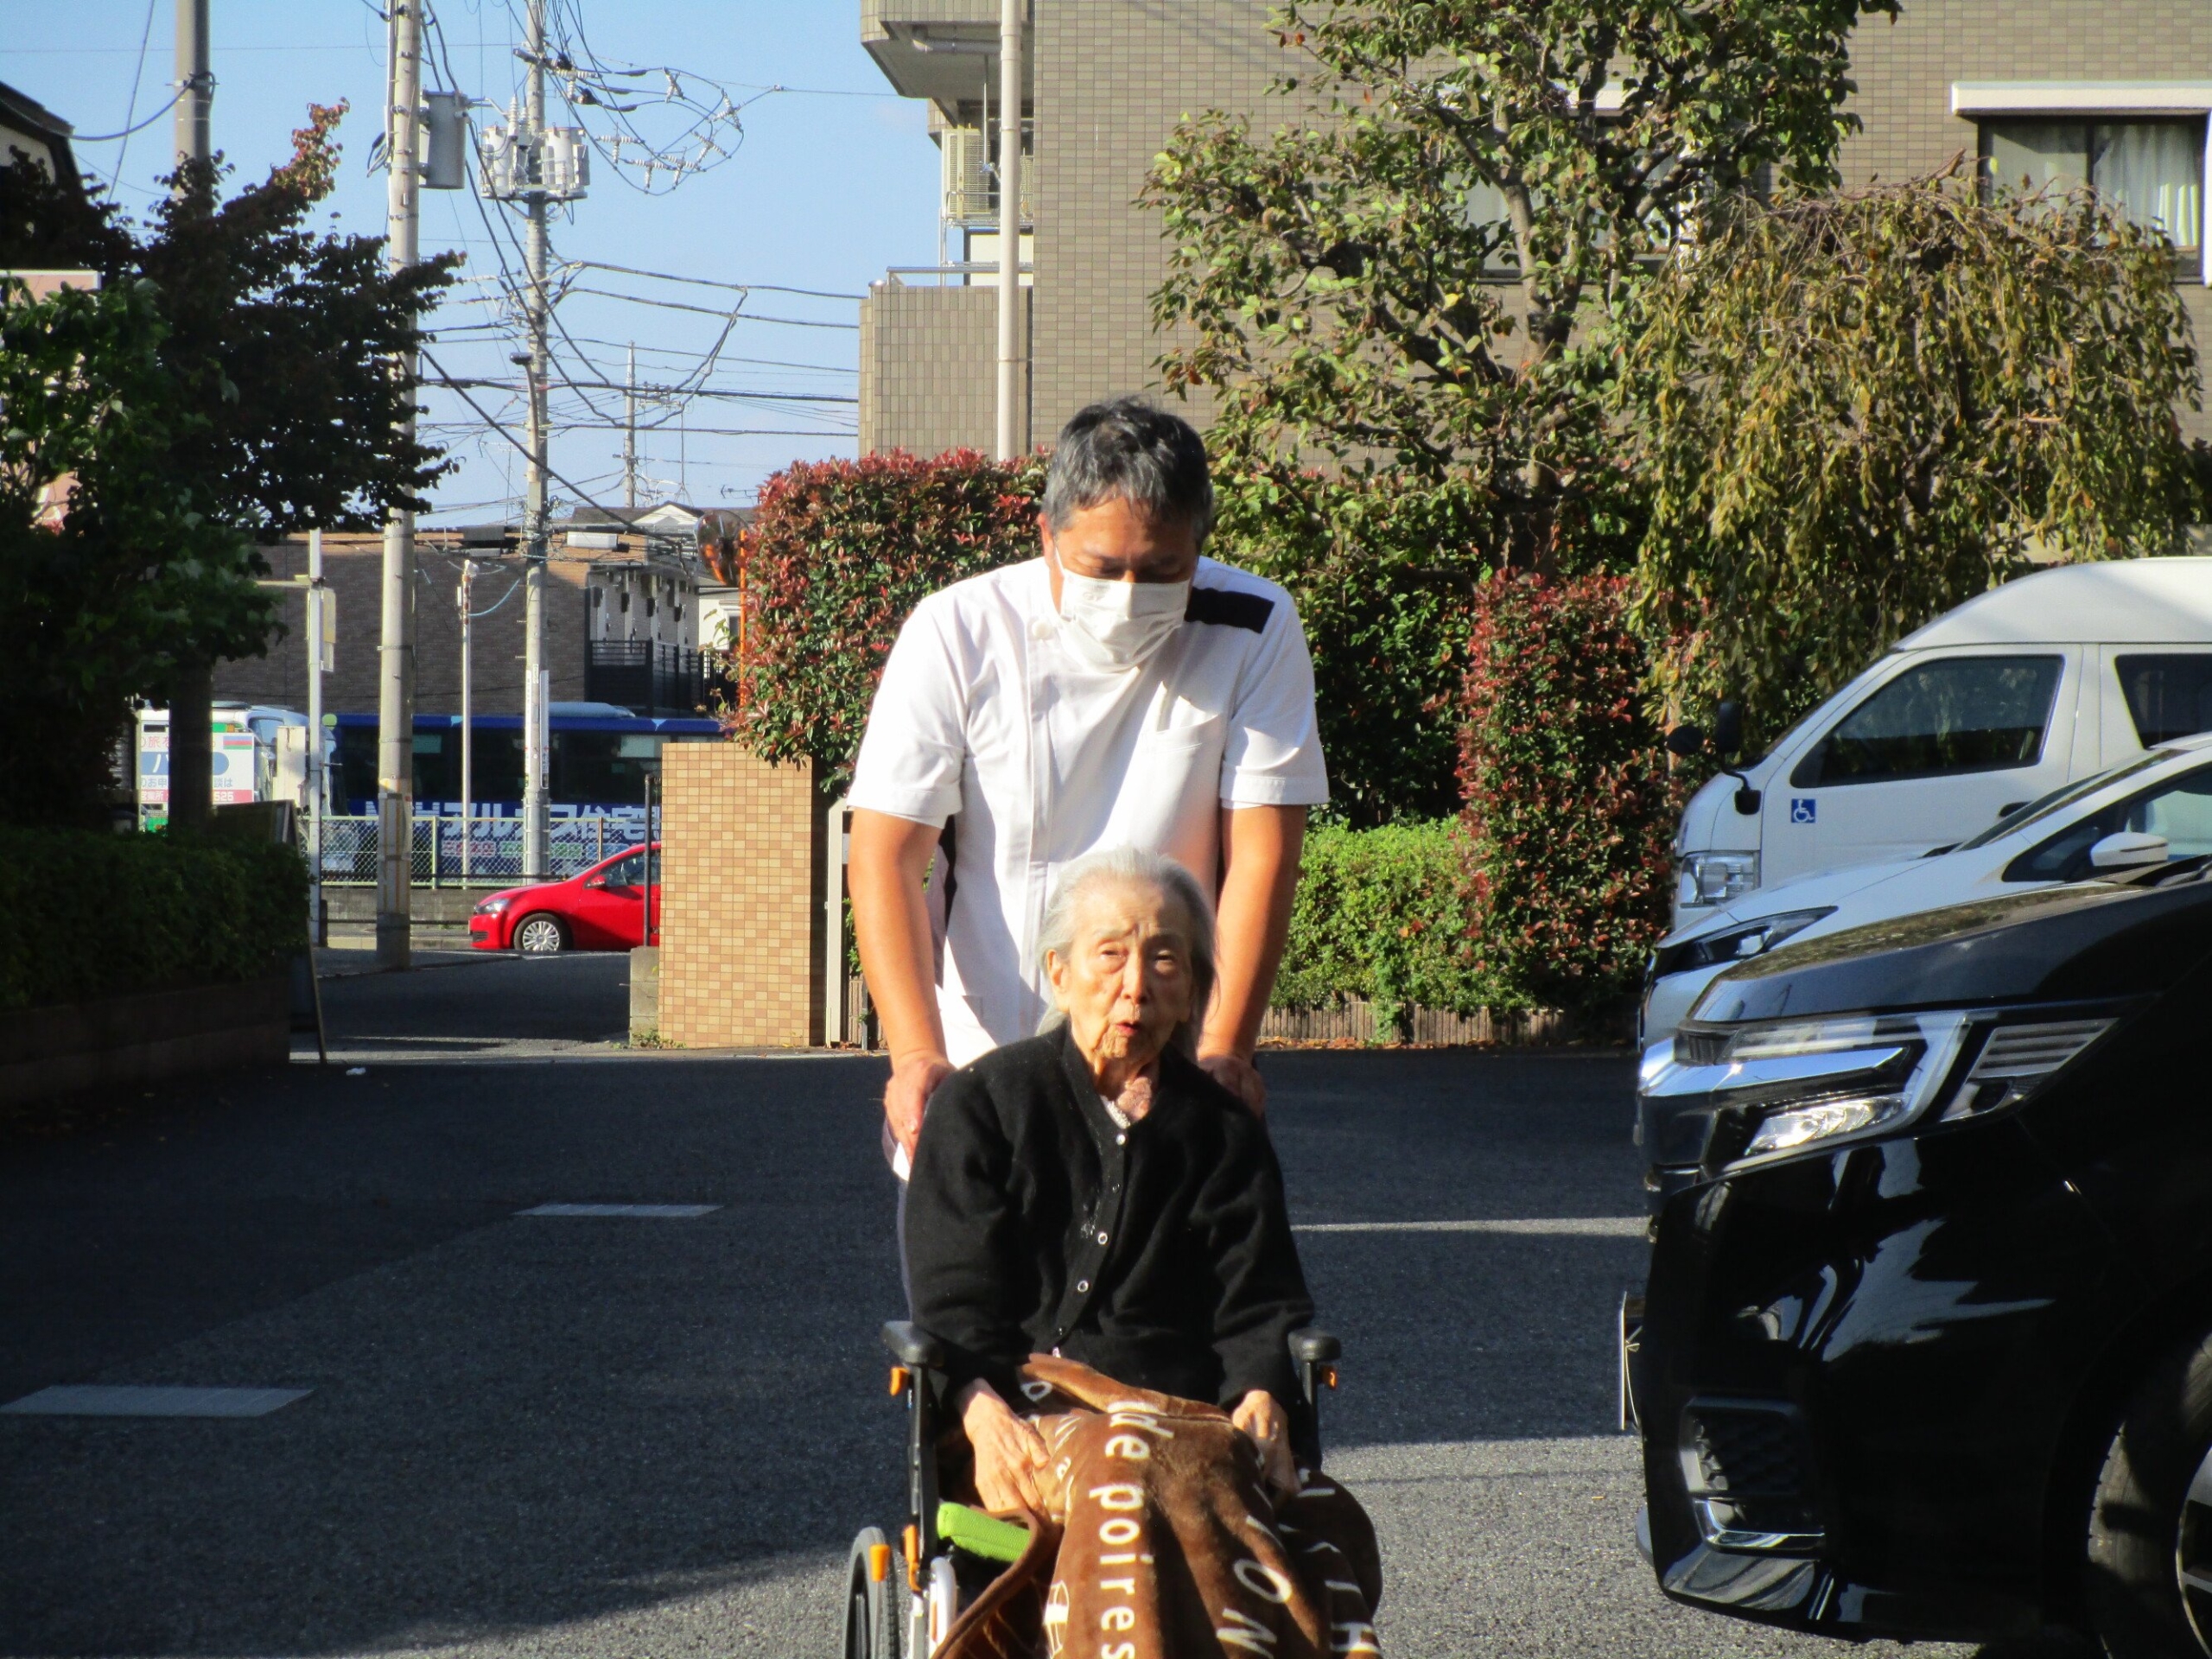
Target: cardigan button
1101	1238
1082	1285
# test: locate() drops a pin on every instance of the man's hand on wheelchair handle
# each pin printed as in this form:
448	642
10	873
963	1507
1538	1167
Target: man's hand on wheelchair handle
913	1080
1262	1416
1009	1451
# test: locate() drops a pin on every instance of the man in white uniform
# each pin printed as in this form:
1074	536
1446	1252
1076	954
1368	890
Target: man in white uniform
1120	690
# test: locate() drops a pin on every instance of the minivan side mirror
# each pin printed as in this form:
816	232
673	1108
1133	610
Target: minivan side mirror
1727	728
1685	740
2131	850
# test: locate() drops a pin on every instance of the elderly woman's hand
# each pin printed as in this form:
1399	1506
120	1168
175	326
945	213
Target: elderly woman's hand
1259	1414
1008	1451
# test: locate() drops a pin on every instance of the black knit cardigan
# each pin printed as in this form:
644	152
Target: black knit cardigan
1160	1255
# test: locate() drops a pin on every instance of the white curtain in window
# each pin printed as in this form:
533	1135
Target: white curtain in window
2038	155
2154	171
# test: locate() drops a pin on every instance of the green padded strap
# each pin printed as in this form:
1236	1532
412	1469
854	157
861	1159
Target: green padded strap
979	1534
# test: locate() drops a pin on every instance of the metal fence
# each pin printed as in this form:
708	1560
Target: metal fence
451	851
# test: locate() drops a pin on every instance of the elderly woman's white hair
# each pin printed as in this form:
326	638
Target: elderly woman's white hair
1128	866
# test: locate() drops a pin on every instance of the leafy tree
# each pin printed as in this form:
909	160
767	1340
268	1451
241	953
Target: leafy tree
1483	171
281	336
276	341
1855	411
133	577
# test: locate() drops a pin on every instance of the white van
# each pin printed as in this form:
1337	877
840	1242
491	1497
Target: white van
2050	677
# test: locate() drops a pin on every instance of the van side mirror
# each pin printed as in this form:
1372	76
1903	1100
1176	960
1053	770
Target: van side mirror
2131	850
1728	728
1685	741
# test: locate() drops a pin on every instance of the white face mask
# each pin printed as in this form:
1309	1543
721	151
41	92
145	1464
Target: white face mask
1117	625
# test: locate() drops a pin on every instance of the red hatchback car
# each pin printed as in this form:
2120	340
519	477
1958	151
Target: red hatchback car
602	909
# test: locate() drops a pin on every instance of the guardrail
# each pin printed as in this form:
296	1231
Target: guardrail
449	850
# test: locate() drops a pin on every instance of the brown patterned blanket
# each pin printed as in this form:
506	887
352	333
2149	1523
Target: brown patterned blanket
1160	1541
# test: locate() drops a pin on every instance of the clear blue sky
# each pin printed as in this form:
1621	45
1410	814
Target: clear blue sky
835	180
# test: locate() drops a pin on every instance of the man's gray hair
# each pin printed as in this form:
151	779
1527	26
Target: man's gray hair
1133	866
1126	449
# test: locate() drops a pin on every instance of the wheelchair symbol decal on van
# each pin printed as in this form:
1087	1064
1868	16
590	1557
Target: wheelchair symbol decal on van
1804	809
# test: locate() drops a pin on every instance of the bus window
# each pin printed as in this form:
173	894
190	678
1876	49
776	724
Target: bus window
603	767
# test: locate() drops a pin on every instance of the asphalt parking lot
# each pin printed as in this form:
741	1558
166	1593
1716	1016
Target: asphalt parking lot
603	1434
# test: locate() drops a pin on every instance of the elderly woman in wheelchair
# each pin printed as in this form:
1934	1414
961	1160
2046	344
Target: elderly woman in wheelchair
1107	1355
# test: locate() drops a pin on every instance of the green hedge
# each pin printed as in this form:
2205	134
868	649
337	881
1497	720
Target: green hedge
88	913
1382	914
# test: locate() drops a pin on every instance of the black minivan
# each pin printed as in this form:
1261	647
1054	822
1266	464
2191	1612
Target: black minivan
1926	1347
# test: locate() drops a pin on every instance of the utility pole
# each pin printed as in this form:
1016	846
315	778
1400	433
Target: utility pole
536	830
630	430
318	791
1012	440
192	790
395	652
467	721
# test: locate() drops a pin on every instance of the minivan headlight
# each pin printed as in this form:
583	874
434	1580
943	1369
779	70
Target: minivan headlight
1725	1098
1706	879
1737	944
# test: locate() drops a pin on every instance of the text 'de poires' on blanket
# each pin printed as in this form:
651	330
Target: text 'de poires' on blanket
1161	1541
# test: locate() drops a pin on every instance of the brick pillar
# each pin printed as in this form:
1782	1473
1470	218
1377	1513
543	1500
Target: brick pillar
740	940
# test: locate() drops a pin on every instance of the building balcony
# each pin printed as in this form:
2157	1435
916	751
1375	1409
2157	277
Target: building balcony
942	50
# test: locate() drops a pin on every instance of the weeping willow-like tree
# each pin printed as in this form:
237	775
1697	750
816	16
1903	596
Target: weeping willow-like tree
1409	271
1853	411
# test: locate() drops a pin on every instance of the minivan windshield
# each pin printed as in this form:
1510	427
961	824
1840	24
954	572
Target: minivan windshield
2043	805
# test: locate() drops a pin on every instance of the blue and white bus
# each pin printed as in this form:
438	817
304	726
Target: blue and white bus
599	758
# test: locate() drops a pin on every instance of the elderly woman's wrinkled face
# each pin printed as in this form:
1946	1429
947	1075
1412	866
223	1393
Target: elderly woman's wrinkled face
1125	983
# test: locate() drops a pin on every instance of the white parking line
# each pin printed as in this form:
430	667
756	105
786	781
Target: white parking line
1548	1227
110	1399
650	1211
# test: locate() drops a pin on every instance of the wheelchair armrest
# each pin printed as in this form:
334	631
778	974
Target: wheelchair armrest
1312	1346
912	1346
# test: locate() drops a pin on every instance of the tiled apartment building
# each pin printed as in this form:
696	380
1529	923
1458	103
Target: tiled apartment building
2115	93
621	593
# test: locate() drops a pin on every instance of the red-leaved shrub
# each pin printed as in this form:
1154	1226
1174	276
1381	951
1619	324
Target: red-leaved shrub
838	555
1569	805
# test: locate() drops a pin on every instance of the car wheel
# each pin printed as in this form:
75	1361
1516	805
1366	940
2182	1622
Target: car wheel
541	935
2149	1586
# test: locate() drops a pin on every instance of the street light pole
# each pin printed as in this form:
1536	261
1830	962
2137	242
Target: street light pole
395	652
1011	439
192	697
467	720
536	830
317	932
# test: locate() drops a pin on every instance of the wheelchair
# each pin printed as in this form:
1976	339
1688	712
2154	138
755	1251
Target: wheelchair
900	1599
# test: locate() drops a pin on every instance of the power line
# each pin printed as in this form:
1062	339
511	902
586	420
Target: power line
710	281
110	137
447	381
708	311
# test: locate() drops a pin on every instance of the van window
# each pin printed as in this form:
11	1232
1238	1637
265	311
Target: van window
1956	715
2180	810
2167	696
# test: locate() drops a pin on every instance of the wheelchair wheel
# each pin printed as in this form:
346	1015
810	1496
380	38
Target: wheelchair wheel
872	1603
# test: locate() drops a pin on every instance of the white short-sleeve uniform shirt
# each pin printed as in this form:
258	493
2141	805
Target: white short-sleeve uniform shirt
985	712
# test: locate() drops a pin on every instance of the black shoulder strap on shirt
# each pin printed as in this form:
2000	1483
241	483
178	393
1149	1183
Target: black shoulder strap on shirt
1228	608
